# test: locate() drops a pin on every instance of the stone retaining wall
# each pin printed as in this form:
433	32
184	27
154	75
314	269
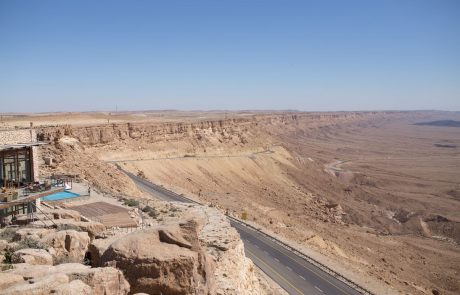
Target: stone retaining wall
14	136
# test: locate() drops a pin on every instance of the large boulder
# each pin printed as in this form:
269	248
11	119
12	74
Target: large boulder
67	245
157	263
32	256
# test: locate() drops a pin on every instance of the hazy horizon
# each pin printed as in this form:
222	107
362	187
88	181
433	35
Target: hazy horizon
229	55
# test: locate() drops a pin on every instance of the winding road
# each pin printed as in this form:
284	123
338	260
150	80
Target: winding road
291	271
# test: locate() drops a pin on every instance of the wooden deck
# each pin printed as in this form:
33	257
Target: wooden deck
108	214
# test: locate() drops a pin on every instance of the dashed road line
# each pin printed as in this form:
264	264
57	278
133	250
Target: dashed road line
277	273
319	289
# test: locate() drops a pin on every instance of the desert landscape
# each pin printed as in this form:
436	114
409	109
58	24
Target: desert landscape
374	195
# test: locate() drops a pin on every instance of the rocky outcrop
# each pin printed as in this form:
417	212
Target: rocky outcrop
102	280
202	255
32	256
42	286
158	265
31	233
234	273
68	245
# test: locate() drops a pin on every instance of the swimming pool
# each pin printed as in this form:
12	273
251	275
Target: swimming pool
60	196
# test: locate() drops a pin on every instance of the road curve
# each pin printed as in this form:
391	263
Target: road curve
292	272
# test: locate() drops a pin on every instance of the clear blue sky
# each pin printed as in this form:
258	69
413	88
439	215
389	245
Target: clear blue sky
235	54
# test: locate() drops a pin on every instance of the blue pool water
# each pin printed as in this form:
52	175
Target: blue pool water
60	196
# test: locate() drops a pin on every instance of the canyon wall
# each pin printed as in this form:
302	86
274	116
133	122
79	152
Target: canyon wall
104	134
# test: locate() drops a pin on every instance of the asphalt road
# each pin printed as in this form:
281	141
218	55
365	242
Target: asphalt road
292	272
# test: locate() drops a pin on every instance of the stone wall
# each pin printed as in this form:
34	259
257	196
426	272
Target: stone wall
14	136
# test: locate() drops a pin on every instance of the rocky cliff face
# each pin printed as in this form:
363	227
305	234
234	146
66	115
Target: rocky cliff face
109	133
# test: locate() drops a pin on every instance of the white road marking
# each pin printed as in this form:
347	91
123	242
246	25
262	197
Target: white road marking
255	245
303	278
276	259
289	268
318	289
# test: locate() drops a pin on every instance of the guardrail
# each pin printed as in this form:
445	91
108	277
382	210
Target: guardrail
299	253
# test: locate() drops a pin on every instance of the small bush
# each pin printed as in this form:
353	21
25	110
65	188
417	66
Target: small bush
141	174
152	212
29	243
132	203
7	255
146	209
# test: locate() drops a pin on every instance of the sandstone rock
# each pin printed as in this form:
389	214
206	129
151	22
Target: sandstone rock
68	244
31	233
92	228
32	256
234	272
42	286
155	267
38	271
106	280
66	214
97	248
9	279
75	287
102	280
173	237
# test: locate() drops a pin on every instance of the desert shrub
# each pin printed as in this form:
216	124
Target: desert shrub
7	234
29	243
5	267
7	255
152	212
132	203
141	174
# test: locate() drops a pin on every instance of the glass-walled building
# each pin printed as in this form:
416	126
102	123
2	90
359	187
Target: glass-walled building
16	166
